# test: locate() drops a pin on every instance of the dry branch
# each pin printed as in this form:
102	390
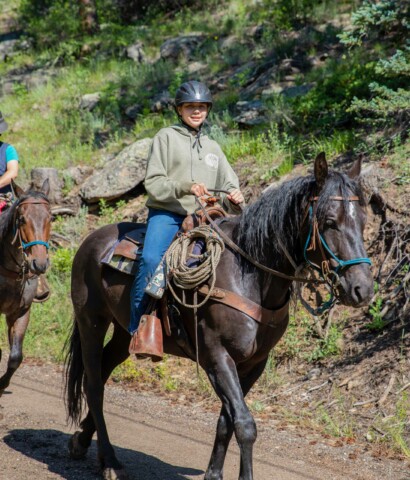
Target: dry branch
388	389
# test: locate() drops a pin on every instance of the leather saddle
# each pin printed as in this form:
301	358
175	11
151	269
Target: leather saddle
130	246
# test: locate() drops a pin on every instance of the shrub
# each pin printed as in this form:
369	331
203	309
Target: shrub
50	22
62	260
382	27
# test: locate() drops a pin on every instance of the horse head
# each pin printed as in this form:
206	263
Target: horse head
334	244
33	226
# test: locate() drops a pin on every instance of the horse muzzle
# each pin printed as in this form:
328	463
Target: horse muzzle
356	286
38	266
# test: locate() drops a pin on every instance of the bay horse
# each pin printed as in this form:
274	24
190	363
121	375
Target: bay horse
232	347
24	235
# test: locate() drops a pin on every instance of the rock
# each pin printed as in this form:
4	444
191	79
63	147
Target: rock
133	110
7	48
313	374
228	43
297	90
77	174
162	102
184	45
38	177
265	77
258	31
90	100
29	79
120	175
136	52
250	113
195	68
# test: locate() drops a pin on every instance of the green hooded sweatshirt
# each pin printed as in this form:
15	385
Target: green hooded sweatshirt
176	161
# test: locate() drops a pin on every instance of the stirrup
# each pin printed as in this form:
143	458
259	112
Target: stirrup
43	290
147	341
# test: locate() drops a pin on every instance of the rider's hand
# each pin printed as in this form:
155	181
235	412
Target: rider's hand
199	189
236	197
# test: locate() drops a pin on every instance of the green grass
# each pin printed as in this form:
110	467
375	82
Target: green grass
56	133
50	322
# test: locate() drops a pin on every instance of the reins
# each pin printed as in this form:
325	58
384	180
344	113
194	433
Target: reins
254	262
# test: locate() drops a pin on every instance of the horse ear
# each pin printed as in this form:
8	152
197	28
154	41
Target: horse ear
46	187
321	169
355	169
16	189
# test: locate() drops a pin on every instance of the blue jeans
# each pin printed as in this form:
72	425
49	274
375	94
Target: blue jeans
161	229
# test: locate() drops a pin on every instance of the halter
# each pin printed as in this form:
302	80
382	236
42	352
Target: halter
25	245
329	274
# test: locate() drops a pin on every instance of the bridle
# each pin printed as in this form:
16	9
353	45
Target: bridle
326	271
17	236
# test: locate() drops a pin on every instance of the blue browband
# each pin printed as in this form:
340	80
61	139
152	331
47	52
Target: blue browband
35	242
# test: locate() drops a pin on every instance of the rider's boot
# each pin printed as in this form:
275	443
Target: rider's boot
147	340
43	290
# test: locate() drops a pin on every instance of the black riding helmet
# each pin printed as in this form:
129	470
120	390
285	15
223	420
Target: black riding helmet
193	92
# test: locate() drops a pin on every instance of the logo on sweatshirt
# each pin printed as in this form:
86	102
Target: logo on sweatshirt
212	160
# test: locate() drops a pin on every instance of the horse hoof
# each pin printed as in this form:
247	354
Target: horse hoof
115	474
77	451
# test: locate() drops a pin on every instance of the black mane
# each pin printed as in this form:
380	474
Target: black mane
7	218
277	216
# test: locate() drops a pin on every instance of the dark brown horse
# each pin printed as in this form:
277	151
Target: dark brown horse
24	236
232	347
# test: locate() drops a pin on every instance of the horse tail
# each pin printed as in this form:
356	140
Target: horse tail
74	376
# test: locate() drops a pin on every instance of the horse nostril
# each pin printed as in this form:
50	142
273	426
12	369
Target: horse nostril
38	267
358	294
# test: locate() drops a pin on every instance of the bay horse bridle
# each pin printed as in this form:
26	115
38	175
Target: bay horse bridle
18	236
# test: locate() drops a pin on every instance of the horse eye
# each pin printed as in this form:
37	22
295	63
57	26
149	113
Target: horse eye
331	224
21	221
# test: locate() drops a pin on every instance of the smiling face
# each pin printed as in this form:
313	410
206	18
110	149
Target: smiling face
193	114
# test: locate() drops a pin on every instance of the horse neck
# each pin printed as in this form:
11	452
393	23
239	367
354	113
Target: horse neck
267	243
266	289
10	252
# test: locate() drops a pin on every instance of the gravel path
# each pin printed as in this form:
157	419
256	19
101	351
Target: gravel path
158	441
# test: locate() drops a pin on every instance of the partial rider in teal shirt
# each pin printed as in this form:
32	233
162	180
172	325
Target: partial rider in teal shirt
9	161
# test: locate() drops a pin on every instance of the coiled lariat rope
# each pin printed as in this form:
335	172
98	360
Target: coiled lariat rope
188	278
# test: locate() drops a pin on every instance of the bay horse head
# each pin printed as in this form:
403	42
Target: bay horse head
334	244
32	226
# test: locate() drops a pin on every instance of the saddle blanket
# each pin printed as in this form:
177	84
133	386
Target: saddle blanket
124	255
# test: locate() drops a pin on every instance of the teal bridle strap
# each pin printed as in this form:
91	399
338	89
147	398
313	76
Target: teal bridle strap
340	263
35	242
332	276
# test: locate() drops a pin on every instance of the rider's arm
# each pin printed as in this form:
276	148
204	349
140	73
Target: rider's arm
10	174
228	180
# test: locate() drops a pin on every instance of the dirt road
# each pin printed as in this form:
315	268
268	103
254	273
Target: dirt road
158	441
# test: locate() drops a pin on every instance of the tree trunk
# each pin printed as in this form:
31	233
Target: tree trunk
88	14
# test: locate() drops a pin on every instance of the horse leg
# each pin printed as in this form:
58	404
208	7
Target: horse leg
114	353
92	354
16	331
225	429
